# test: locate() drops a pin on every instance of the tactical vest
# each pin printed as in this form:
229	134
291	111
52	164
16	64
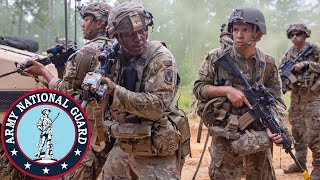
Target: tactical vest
218	111
303	79
83	61
148	138
79	64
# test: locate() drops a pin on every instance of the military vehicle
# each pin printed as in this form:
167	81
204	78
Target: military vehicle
15	85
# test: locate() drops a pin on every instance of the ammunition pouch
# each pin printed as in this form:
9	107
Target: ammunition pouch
146	138
303	80
251	142
181	121
214	112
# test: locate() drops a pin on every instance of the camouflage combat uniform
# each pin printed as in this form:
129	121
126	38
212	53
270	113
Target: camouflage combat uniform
7	170
152	134
83	61
259	69
154	94
304	112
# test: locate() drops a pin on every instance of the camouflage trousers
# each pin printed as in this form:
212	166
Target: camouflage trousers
226	165
304	118
121	165
88	169
8	171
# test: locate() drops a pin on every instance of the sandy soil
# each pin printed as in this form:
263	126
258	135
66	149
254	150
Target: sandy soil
281	160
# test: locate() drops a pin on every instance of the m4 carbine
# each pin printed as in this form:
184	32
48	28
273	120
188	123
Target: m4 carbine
261	100
287	67
91	85
58	57
94	92
60	54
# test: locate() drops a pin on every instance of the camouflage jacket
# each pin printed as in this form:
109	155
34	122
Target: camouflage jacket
301	86
155	92
258	69
83	61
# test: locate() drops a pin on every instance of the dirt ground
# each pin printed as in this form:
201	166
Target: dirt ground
281	160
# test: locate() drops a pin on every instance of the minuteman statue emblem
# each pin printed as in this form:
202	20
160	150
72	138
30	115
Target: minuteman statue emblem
45	134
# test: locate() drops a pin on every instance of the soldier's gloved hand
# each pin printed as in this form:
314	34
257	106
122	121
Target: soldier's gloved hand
301	66
111	85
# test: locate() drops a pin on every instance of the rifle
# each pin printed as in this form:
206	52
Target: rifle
287	67
91	82
93	91
261	100
58	57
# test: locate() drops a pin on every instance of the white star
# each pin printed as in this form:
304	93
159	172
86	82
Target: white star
77	152
14	152
46	170
64	165
27	166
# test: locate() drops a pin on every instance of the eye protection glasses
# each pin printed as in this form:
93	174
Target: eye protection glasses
296	34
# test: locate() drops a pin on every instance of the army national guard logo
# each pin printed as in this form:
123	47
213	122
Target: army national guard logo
45	134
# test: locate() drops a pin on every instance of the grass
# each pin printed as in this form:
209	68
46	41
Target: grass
185	98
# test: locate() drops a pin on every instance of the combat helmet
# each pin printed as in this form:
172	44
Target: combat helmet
298	27
248	15
128	17
99	10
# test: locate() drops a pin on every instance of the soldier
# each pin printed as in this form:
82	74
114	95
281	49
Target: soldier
95	17
305	99
45	126
222	101
152	134
225	37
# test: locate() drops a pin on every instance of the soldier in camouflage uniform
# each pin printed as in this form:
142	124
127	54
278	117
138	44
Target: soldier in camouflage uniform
304	112
222	101
152	134
225	37
95	17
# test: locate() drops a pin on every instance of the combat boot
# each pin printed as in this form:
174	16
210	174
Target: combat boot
293	168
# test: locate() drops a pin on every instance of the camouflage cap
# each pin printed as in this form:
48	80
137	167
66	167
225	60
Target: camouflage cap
298	27
99	10
128	17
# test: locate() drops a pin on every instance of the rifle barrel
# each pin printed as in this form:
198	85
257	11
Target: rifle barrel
6	74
